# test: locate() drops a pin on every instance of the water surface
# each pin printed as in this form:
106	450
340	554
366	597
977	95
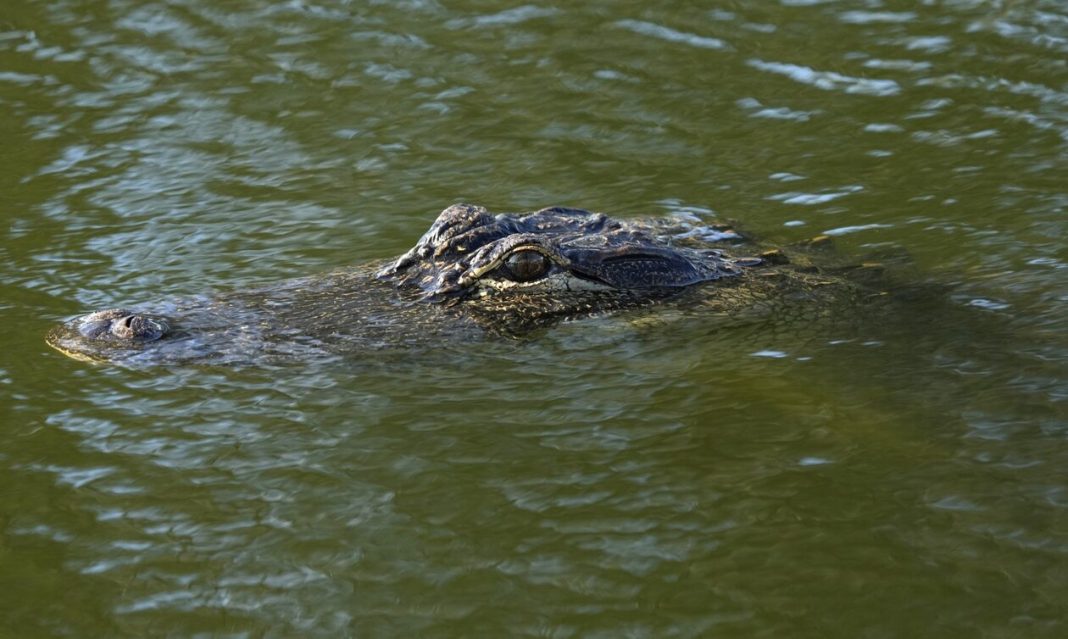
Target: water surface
898	477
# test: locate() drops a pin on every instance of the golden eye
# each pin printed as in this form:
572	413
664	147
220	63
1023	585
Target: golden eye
525	266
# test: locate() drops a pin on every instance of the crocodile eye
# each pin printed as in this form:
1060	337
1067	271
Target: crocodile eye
525	266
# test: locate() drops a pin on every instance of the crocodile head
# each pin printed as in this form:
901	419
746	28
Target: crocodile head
514	271
505	273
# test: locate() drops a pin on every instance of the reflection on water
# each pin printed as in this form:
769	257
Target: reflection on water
608	478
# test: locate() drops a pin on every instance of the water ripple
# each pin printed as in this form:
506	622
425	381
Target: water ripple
671	35
829	80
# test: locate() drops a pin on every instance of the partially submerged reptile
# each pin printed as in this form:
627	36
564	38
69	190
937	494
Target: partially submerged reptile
472	273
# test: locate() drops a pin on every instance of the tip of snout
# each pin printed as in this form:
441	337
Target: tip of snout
124	325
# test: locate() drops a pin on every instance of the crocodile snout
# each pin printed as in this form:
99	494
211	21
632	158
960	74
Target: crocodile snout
123	325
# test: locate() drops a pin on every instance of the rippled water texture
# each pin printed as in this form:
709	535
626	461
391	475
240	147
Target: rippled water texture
897	477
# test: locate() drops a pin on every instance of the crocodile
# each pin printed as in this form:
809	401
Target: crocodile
471	274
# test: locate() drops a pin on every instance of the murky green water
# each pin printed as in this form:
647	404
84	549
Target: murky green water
901	478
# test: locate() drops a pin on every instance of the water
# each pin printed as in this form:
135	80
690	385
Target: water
904	477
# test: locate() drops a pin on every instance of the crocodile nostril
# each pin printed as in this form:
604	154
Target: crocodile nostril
137	327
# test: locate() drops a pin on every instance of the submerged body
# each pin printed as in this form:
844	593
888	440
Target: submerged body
472	273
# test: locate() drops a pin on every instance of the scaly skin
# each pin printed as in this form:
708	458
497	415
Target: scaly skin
471	274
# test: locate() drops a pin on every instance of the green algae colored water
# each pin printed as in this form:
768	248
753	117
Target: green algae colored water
899	476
